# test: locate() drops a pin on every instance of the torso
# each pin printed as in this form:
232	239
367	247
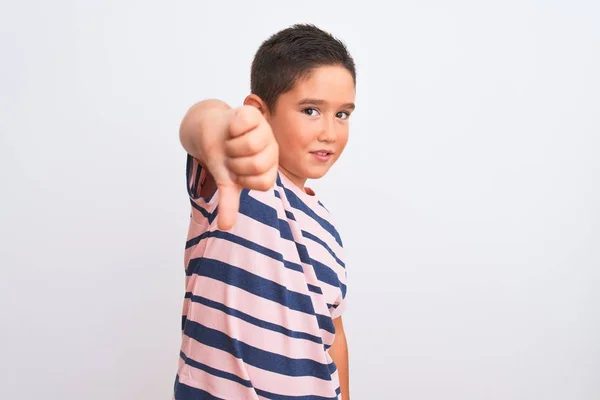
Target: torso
261	298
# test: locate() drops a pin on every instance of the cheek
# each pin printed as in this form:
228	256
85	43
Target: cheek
343	137
281	131
301	133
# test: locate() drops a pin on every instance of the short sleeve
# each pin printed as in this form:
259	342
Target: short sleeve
195	177
203	209
340	305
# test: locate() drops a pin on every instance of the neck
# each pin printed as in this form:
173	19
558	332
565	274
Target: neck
296	180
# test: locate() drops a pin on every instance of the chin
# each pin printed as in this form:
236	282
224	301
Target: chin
316	173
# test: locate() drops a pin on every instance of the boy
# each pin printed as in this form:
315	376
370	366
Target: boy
265	276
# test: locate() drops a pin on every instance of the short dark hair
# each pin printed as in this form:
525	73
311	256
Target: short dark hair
291	54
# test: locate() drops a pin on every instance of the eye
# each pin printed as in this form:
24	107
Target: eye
343	115
313	112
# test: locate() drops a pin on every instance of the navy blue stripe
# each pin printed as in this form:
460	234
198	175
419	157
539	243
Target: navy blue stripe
303	253
322	205
314	289
209	216
323	272
259	286
256	357
255	321
290	215
312	237
193	187
283	227
332	368
189	167
246	243
264	214
274	396
278	180
298	204
194	241
326	323
327	275
197	182
213	371
185	392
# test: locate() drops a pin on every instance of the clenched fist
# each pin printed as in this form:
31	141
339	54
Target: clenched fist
244	155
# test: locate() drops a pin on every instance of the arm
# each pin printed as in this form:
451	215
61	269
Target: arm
199	122
339	354
237	149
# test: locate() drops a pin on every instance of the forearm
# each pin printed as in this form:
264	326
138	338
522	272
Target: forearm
199	121
339	355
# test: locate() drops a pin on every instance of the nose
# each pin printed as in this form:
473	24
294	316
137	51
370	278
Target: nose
328	131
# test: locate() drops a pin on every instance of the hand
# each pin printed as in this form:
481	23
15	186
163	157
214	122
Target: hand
248	158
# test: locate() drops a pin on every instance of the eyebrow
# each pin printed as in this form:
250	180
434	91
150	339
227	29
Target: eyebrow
319	102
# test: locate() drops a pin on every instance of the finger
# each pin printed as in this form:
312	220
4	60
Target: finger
229	204
262	182
251	143
244	119
253	165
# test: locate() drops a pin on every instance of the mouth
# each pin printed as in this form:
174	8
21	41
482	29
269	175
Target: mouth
322	155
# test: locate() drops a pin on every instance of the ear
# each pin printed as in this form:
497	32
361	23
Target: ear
255	101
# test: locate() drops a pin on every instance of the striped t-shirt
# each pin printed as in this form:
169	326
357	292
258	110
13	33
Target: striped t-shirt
260	298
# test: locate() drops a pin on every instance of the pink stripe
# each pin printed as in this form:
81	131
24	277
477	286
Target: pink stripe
201	225
291	385
309	224
181	364
318	304
265	235
197	248
186	307
215	358
217	386
339	310
253	335
257	264
260	378
319	253
256	306
268	198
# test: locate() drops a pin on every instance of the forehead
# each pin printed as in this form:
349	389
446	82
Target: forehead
333	84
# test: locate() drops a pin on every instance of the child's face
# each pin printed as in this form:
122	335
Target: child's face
313	118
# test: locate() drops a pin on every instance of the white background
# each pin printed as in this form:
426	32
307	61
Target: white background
468	198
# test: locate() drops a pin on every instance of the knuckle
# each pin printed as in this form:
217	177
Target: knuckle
257	165
242	181
228	149
275	152
254	143
264	184
231	165
248	114
235	126
252	111
240	121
